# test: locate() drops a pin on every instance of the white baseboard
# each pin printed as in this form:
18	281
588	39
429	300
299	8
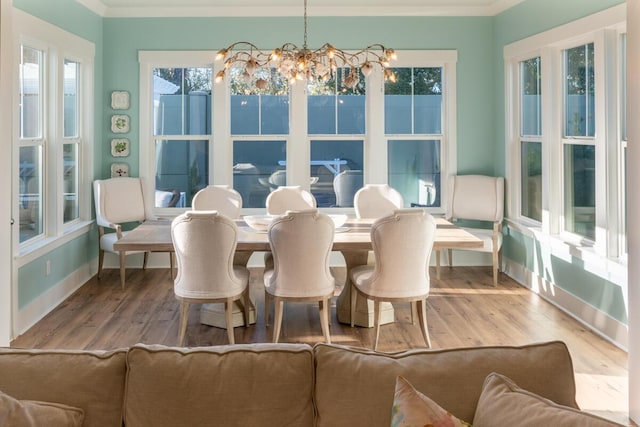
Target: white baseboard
41	306
602	324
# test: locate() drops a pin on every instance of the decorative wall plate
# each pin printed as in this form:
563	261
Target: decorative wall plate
120	100
119	123
120	147
119	169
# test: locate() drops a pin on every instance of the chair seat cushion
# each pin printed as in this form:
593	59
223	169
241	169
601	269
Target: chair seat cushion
299	293
107	241
487	239
186	289
360	276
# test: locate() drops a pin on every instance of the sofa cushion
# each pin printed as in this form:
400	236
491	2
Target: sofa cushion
413	409
30	413
90	380
241	385
356	386
503	403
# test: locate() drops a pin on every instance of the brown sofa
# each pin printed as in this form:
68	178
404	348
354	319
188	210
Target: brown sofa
272	384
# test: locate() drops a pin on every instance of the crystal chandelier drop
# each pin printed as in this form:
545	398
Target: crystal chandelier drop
296	63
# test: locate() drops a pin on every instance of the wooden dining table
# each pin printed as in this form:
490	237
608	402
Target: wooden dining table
352	240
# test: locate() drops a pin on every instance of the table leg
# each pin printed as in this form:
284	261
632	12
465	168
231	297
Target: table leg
364	307
213	314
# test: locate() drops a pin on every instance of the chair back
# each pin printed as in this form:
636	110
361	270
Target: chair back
475	197
377	200
289	198
345	185
205	243
301	245
118	200
221	198
278	179
402	243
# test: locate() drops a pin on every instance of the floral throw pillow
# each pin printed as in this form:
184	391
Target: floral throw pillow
413	409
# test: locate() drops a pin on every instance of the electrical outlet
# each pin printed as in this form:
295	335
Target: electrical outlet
48	267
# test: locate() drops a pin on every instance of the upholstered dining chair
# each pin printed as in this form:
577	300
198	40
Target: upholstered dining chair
301	242
345	185
480	198
118	201
402	243
376	201
221	198
289	198
205	242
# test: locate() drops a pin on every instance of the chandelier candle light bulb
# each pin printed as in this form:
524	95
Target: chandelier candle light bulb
296	63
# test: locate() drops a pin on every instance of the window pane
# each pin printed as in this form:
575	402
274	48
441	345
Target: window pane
259	111
413	103
30	202
70	182
579	189
531	167
31	87
182	169
531	107
336	166
182	101
258	168
579	91
414	170
70	100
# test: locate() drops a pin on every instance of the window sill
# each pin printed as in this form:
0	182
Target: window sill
29	252
568	249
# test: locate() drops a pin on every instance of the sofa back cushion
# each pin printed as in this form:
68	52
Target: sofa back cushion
90	380
241	385
356	387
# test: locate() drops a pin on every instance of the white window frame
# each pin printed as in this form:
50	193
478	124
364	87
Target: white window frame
57	45
298	141
603	29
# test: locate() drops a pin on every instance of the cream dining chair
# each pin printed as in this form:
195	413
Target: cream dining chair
301	243
402	243
221	198
205	242
118	201
289	198
376	201
480	198
346	184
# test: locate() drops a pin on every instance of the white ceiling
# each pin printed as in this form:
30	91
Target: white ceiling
184	8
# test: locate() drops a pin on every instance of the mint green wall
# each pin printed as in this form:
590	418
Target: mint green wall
470	36
76	19
521	21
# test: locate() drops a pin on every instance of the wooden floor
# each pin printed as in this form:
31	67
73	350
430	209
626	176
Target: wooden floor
463	310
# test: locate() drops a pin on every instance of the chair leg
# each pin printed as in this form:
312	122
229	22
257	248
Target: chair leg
228	315
414	312
496	264
171	264
247	308
438	253
184	315
100	262
123	266
450	257
144	260
422	313
354	298
277	321
376	322
267	304
324	306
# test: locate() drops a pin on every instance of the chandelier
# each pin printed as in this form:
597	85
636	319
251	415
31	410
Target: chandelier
296	63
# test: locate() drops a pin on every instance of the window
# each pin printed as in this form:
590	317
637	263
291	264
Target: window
268	131
71	141
182	133
413	106
531	139
565	124
579	143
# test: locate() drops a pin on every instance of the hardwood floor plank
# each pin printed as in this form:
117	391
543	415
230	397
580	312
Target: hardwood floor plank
463	310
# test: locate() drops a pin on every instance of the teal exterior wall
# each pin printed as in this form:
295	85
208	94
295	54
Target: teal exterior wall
523	20
66	259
